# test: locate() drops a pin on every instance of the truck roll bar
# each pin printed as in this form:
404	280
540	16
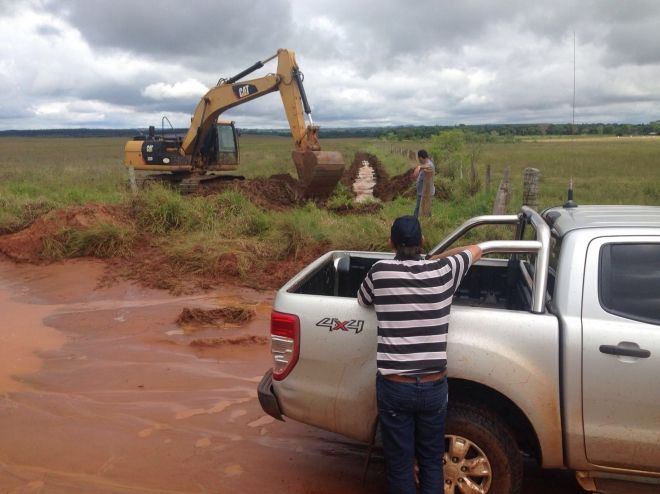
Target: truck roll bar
510	219
540	246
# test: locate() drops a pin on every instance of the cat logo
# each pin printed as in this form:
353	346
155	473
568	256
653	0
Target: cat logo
244	90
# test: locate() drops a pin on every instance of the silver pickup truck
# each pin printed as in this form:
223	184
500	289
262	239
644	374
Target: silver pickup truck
553	351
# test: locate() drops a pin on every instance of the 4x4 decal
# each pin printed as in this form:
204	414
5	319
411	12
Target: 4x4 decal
334	324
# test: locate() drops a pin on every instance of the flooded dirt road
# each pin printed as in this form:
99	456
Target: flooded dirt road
102	392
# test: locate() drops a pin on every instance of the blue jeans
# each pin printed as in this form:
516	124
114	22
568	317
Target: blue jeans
412	420
417	204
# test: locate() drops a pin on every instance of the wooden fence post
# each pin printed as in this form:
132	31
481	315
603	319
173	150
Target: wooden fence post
425	206
502	198
488	177
132	181
531	187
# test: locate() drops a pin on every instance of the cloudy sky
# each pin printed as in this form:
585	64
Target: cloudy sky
127	63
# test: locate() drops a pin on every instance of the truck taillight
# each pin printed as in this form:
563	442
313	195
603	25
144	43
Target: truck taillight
285	343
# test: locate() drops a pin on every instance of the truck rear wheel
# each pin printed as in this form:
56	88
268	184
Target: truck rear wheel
481	455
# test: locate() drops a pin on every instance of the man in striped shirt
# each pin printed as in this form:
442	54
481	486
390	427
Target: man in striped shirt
412	297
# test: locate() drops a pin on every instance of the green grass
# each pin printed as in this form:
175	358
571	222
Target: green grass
201	234
604	171
40	174
103	240
263	156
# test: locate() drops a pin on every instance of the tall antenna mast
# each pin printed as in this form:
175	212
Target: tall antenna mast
570	203
573	82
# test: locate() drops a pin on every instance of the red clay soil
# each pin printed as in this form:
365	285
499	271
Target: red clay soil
27	244
358	208
275	273
230	314
399	185
151	268
275	192
247	340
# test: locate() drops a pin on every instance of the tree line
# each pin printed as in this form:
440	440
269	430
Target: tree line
515	130
395	133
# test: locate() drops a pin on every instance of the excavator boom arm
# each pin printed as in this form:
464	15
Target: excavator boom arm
228	94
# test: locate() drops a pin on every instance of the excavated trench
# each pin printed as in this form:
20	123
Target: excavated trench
363	186
367	179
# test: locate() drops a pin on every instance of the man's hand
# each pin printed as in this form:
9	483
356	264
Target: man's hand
475	251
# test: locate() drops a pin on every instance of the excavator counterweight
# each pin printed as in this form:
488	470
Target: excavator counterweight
211	145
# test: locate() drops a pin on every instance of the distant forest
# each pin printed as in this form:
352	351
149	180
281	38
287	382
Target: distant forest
391	133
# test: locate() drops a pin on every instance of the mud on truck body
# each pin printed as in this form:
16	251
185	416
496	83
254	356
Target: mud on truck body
553	351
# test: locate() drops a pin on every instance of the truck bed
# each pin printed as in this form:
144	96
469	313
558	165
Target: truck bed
495	283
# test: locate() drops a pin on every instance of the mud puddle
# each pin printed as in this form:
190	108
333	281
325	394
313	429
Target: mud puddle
112	396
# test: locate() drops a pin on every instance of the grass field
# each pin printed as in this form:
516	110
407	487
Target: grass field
195	233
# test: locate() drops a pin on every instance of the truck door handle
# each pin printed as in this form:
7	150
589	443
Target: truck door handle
624	351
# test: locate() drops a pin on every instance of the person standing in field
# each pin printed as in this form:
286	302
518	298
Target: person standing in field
412	297
425	170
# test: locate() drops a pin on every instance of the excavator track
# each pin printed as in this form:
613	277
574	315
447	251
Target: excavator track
184	183
195	183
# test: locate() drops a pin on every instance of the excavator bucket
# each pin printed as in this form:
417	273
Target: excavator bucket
318	172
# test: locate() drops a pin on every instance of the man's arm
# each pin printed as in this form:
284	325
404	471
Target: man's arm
365	295
475	252
422	167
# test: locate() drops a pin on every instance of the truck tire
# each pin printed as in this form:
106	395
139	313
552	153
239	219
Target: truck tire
481	455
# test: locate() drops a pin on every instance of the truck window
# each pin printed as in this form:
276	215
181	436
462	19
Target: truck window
629	281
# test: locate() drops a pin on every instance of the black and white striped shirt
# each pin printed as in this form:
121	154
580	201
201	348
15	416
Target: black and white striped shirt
412	299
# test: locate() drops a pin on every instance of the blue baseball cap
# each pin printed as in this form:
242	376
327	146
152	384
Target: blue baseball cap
406	232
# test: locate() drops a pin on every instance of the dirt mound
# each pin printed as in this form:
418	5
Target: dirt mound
282	191
358	208
275	192
245	340
229	314
27	244
399	185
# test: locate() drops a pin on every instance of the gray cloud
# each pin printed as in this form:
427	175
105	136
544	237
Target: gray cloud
46	30
197	32
366	63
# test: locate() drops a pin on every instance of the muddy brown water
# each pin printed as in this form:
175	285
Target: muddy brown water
101	392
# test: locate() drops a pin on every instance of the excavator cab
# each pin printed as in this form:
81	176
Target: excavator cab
160	152
220	148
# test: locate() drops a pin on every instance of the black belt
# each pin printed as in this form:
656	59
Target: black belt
425	378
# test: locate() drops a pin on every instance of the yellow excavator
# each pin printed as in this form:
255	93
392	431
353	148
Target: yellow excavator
211	144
